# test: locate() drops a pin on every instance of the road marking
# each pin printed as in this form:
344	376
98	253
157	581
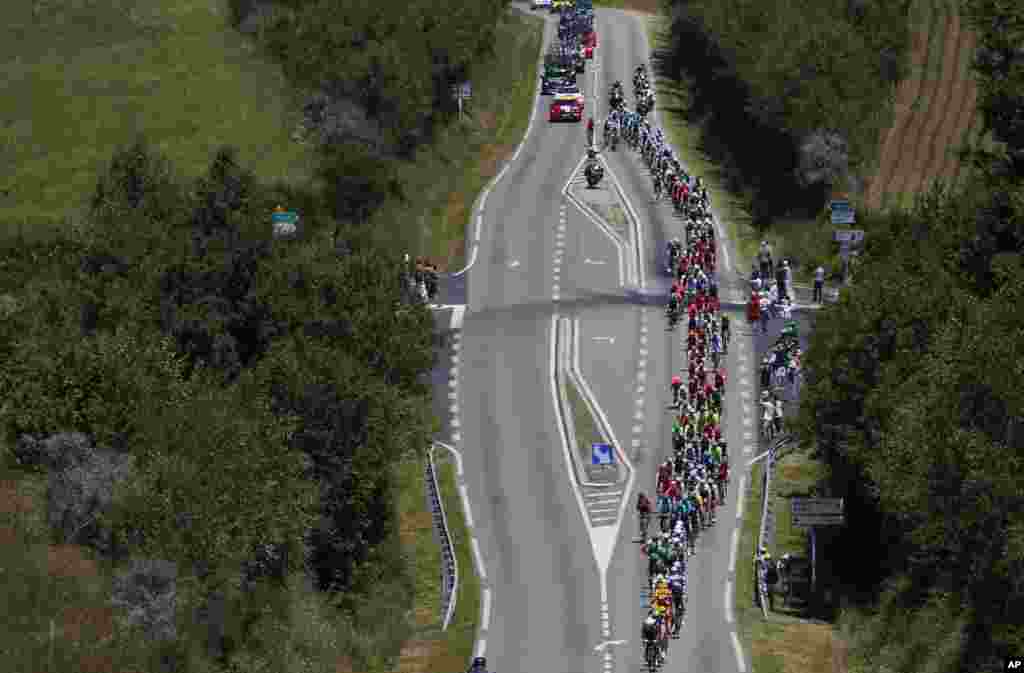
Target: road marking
487	609
732	551
761	457
638	416
748	421
456	437
745	394
637	429
481	647
636	443
453	384
739	508
479	558
728	601
740	664
639	402
454	409
744	382
609	642
453	395
455	423
513	264
640	389
608	339
593	261
556	288
643	352
748	436
603	494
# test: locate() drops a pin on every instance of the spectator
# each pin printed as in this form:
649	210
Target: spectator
819	283
780	278
764	256
787	285
771	579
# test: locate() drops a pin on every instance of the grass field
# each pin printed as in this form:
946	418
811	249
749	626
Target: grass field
934	113
784	643
430	649
446	179
83	76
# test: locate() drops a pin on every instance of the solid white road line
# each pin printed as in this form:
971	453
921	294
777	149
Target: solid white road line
742	497
733	549
740	663
487	609
728	601
479	558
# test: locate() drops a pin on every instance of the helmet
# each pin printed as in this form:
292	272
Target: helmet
649	621
676	379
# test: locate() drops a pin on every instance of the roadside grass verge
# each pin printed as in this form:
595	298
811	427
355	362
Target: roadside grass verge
83	77
586	429
461	633
784	643
445	179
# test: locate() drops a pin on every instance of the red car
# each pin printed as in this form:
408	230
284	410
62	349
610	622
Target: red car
566	106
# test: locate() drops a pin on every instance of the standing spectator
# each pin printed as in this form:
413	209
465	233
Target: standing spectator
771	579
819	283
764	256
780	278
787	285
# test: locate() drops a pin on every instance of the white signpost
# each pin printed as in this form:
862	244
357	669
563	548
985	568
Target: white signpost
809	512
461	92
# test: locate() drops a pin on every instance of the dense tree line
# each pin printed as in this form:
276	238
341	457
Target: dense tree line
801	80
915	403
396	63
208	396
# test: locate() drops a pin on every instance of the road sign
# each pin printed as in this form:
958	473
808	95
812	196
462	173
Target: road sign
284	222
852	236
817	511
842	212
601	454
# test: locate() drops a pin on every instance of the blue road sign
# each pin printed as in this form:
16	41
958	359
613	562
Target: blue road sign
601	454
287	217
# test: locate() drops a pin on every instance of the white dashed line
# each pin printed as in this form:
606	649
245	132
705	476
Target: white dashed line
742	497
637	429
748	436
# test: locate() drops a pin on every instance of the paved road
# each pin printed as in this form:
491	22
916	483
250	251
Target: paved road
546	608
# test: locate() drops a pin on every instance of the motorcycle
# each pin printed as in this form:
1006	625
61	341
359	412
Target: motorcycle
594	174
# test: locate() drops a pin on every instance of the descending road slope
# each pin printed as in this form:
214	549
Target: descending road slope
536	259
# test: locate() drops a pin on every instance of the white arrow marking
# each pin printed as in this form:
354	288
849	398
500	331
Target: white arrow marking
608	339
513	264
609	642
593	261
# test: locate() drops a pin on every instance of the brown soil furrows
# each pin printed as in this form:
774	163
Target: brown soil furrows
938	141
921	132
906	94
966	93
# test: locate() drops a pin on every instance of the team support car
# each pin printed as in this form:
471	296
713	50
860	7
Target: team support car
566	107
537	4
557	84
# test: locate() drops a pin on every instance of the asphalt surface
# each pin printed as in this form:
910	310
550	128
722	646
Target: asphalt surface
546	607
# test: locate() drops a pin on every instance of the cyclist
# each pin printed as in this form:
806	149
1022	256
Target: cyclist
649	634
643	508
677	384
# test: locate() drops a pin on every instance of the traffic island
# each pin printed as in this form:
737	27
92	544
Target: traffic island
606	206
591	446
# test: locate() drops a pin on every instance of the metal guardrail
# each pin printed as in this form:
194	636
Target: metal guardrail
450	569
766	534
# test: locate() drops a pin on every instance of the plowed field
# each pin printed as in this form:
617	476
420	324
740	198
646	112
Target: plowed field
934	113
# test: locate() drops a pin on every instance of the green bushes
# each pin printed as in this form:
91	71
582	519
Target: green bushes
241	402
